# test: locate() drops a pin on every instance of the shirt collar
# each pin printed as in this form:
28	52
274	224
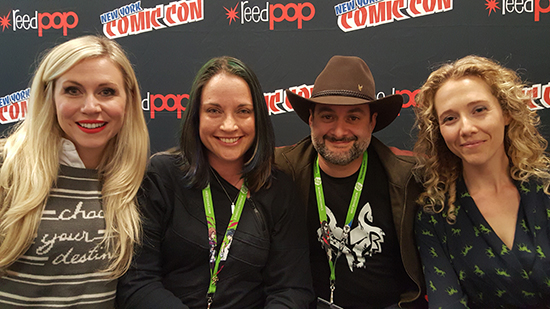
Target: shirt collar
68	154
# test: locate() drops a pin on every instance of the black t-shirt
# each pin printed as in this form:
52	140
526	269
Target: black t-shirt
369	272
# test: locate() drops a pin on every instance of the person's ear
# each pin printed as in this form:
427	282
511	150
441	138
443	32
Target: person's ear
373	121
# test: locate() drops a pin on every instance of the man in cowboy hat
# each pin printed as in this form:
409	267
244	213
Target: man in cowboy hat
359	196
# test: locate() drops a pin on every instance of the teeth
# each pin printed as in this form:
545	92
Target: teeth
91	125
229	140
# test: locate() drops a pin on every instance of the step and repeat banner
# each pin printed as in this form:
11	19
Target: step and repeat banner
287	44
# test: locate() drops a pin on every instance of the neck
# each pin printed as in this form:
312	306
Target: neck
230	172
491	176
90	159
340	171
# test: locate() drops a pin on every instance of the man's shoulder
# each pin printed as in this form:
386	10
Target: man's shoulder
391	154
401	152
294	158
294	152
302	144
397	163
404	155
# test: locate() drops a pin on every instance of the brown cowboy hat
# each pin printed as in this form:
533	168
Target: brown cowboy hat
347	80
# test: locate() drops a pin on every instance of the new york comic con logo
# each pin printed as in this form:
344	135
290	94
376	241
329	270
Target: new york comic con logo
13	107
518	6
132	19
359	14
39	21
272	13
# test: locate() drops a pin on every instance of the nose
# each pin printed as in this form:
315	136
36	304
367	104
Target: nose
467	126
91	105
340	128
229	123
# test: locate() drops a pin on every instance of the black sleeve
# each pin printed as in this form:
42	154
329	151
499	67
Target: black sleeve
287	274
141	286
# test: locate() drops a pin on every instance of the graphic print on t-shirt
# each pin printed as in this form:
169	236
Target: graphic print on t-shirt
364	240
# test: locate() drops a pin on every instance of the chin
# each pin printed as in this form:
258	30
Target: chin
474	162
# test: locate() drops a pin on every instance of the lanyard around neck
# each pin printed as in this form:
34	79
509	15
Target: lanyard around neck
325	229
228	238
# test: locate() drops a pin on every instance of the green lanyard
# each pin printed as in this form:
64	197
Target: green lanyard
227	240
325	229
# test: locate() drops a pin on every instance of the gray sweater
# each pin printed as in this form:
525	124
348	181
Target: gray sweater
61	267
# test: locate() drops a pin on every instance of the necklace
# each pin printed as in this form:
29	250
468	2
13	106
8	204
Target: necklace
225	191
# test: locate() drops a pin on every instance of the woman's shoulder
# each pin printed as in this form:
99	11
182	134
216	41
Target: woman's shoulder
282	191
165	159
431	219
165	166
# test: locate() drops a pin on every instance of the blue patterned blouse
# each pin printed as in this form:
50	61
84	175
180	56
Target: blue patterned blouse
467	265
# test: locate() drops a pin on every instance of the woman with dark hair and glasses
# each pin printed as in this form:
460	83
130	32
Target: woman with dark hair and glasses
221	226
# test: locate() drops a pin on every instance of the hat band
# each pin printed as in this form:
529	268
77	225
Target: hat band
345	93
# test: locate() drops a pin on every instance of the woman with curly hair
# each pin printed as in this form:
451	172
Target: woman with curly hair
484	228
68	179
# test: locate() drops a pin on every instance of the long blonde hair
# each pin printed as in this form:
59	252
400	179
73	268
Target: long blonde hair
30	158
439	168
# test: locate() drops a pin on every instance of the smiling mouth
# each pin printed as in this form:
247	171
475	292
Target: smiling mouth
469	144
229	140
333	139
344	143
94	125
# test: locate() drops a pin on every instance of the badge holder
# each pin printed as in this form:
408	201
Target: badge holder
324	304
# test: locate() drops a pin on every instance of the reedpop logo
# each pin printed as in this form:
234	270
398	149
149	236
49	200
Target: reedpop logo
272	13
40	21
518	7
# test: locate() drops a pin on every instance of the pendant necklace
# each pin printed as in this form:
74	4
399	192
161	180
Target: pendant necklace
225	191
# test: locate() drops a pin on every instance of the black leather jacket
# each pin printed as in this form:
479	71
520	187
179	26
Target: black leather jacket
267	267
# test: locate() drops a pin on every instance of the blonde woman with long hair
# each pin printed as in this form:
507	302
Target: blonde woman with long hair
69	175
484	227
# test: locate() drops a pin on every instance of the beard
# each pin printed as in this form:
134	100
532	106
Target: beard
340	158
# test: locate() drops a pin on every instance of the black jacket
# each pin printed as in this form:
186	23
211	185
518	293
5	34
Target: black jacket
297	161
267	267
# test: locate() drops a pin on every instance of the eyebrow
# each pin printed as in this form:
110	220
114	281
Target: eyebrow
110	83
356	110
219	105
477	102
468	105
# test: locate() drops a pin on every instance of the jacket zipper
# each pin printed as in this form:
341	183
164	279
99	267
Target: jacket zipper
259	216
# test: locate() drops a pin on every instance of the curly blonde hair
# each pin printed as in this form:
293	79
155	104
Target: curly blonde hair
439	168
30	158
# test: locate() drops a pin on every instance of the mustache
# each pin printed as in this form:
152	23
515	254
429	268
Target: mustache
340	139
